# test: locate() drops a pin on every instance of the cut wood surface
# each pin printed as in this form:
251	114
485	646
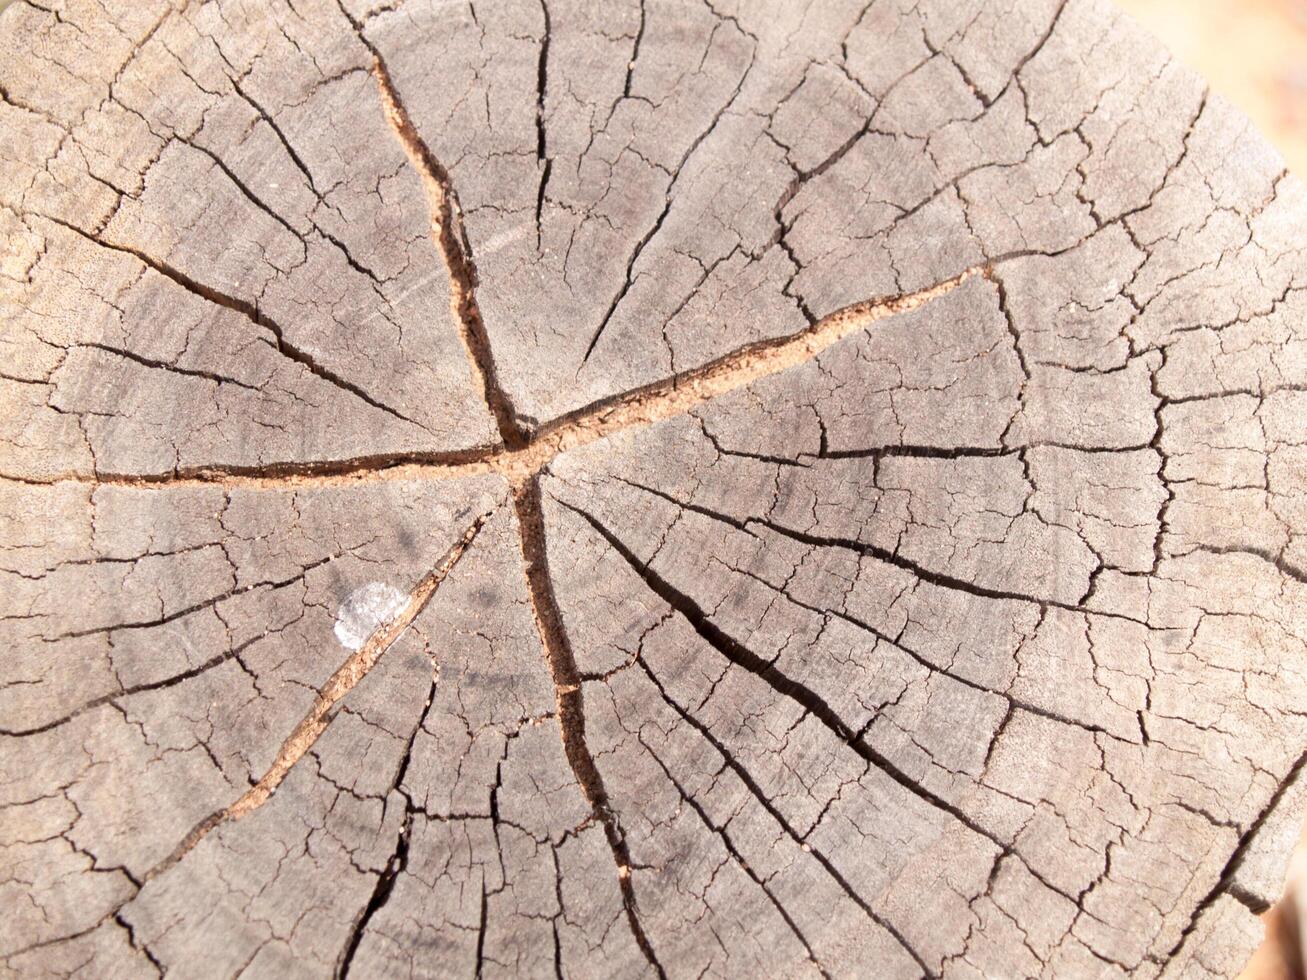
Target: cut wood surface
674	488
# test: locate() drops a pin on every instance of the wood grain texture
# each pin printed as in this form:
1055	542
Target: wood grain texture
665	488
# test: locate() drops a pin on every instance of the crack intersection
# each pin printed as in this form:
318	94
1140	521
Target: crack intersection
522	455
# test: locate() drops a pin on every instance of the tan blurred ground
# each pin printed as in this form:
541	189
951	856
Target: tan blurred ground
1254	52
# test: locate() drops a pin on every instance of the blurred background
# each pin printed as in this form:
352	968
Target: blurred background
1254	52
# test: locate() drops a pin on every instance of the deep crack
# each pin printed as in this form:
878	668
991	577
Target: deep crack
571	709
344	680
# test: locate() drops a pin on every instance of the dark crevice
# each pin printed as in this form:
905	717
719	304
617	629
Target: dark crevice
770	807
281	136
398	862
214	661
653	230
810	701
738	654
635	51
139	947
1281	564
380	893
251	312
187	610
244	189
920	452
1015	334
571	709
1253	903
1225	881
543	161
737	857
1159	433
1011	700
973	452
940	579
482	919
562	912
171	368
451	239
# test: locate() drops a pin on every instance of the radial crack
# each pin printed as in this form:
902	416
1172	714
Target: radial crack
344	680
780	682
1225	880
398	861
448	233
673	396
567	690
543	160
251	312
740	861
669	199
770	807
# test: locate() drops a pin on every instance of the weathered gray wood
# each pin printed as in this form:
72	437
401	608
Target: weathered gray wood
645	488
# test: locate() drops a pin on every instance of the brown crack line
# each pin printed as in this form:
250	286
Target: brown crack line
567	692
520	458
344	680
451	240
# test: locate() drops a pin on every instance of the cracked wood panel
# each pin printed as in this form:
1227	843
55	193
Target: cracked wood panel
665	488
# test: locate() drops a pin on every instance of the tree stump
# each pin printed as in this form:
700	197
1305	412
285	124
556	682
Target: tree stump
669	488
